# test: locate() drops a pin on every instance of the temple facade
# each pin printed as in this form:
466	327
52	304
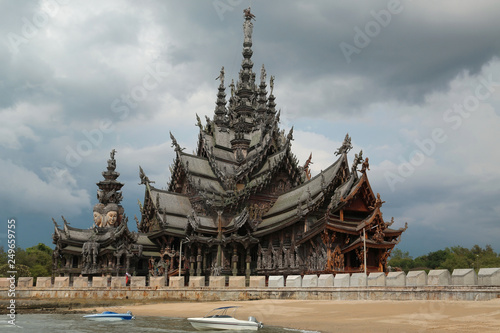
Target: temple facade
240	205
108	247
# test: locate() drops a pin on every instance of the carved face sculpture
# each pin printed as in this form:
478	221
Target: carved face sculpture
111	218
98	219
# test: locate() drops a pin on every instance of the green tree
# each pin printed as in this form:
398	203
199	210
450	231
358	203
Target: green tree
21	271
401	260
34	261
433	260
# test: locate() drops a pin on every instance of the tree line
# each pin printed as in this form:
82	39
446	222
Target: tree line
450	258
34	261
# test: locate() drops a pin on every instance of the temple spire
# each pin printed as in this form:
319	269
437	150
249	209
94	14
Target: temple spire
246	73
220	109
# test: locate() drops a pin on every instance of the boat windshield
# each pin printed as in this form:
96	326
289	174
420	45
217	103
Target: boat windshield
223	312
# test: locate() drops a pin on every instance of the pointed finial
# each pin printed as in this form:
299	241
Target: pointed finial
221	76
175	144
290	135
198	122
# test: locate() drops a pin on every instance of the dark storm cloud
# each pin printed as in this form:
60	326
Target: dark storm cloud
419	49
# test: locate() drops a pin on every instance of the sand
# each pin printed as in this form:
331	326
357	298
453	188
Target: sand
347	316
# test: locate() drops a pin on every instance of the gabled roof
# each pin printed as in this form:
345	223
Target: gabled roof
301	200
353	190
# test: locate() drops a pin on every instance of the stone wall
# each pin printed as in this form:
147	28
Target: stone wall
463	284
441	277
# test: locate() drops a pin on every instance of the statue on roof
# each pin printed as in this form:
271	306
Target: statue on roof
365	166
263	74
221	76
248	25
271	83
358	158
248	13
346	146
378	202
112	161
232	87
306	167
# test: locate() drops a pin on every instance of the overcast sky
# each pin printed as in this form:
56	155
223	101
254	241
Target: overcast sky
415	83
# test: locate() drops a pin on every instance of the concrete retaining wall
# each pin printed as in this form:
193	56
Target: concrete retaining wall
464	277
358	280
237	282
489	277
311	281
329	287
439	277
396	279
25	282
217	281
257	282
196	281
43	282
80	282
416	279
342	280
177	282
294	281
74	297
376	279
61	282
276	281
442	277
157	282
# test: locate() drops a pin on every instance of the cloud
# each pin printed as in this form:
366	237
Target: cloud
24	190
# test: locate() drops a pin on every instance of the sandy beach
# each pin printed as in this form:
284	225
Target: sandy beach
347	316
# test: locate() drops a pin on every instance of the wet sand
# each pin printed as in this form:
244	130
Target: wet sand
346	316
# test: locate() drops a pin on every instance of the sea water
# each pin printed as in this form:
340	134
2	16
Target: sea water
73	323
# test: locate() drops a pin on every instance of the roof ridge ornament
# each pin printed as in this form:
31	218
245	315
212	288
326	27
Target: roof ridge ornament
346	146
358	159
175	144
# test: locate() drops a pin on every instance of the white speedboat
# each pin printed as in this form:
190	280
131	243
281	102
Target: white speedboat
110	316
223	319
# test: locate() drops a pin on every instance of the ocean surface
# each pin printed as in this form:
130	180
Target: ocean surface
73	323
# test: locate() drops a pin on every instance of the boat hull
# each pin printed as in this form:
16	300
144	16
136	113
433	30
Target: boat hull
223	324
110	316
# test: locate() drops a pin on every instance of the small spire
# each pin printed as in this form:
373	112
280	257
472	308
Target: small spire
109	188
220	109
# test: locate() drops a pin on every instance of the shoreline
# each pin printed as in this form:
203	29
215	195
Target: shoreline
342	316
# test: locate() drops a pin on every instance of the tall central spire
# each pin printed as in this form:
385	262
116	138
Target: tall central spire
247	76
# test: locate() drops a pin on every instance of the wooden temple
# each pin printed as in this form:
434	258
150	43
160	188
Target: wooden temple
240	205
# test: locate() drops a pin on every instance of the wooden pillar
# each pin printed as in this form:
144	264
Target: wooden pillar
204	261
198	261
235	260
248	262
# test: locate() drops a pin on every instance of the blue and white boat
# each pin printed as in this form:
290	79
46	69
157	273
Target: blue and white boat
110	316
223	319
